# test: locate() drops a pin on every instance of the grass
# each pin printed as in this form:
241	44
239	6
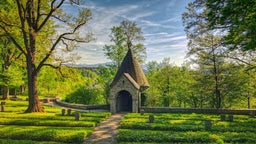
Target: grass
186	128
48	127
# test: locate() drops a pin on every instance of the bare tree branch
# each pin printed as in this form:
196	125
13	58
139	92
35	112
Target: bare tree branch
22	16
240	60
55	16
8	24
52	66
76	40
56	67
38	12
51	51
13	39
53	9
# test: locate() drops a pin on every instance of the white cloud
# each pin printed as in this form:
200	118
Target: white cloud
164	36
147	23
139	16
172	19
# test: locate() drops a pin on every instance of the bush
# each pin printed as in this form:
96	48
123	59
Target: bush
185	128
85	95
9	141
42	133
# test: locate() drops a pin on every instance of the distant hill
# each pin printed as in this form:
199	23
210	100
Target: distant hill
92	65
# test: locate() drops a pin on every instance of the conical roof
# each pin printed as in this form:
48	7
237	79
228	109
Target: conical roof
131	66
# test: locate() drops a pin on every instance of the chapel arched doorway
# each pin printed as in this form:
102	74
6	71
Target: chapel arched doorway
124	101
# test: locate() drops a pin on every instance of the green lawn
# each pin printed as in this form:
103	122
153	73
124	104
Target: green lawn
48	127
186	128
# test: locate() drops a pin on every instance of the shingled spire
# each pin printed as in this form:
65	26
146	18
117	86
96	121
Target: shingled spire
131	66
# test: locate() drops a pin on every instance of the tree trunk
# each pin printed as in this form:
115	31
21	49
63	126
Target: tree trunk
22	89
249	102
34	103
5	79
5	92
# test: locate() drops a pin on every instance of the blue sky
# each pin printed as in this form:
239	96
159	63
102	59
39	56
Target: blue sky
160	21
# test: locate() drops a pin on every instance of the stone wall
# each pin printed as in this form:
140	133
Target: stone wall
124	85
82	106
251	112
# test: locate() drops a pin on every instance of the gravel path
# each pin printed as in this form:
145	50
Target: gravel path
105	133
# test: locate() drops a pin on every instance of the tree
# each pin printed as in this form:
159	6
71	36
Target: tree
207	51
35	23
106	76
170	85
153	93
237	19
125	36
9	55
86	95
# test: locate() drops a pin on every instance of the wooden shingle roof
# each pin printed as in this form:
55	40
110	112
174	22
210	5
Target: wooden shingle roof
131	66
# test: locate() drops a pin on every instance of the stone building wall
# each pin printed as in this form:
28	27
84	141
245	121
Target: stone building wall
124	84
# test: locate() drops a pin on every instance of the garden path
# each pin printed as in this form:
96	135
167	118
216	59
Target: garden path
105	133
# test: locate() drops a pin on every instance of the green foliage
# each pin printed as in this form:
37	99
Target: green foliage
185	128
52	122
52	81
48	127
169	84
42	133
238	18
35	36
106	76
233	21
213	80
9	141
125	36
86	95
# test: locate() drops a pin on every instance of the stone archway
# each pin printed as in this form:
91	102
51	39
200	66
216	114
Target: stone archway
124	101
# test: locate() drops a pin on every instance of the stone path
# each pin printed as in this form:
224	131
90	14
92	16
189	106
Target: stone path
105	133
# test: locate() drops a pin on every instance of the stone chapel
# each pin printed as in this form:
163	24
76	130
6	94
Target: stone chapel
126	88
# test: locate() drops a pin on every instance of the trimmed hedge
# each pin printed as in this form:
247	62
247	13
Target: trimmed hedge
42	133
48	127
10	141
185	128
38	122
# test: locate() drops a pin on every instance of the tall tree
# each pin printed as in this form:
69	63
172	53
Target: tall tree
34	21
153	93
8	56
207	51
125	36
237	18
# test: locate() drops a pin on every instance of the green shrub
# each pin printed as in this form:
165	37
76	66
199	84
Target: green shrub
185	128
49	127
10	141
125	135
42	133
87	96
